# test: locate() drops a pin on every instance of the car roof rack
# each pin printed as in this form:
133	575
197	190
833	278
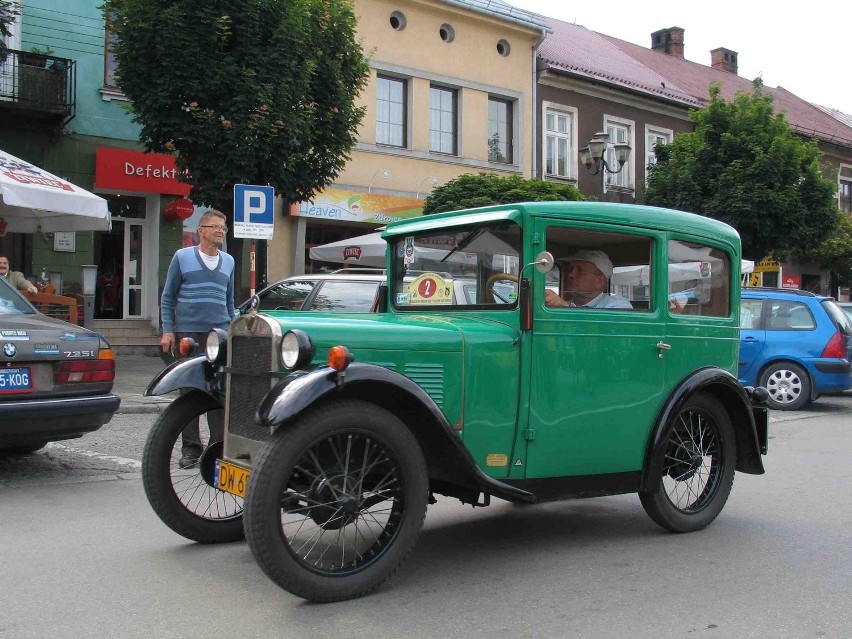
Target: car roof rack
776	289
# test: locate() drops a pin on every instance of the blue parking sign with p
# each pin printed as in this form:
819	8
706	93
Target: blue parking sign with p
254	208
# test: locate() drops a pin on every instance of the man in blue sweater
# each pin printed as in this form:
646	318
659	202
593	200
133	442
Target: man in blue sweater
198	296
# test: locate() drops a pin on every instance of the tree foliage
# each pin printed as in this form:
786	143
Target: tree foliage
743	165
469	191
243	91
9	11
833	253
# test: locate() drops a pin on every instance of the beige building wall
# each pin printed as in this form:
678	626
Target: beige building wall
470	64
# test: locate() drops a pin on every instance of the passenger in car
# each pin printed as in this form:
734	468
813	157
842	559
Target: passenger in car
585	283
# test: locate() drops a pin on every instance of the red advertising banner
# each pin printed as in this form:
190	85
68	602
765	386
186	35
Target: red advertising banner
791	281
125	170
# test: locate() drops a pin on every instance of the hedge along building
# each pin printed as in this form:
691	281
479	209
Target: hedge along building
450	92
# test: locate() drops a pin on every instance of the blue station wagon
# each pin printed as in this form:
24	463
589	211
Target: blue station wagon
795	344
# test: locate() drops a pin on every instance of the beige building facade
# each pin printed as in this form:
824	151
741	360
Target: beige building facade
451	91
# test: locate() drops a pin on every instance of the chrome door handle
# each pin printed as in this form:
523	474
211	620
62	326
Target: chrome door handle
662	346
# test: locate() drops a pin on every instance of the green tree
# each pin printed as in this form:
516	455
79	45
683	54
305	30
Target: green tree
469	191
9	11
833	253
743	165
243	91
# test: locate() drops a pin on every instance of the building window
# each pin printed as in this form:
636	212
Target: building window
653	137
620	132
560	149
442	120
844	193
500	131
390	111
110	64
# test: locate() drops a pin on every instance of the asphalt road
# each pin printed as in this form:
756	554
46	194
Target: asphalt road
83	555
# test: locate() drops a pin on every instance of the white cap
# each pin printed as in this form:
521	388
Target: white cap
598	258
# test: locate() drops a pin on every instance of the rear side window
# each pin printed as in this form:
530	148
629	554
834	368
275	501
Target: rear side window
838	316
750	311
789	316
287	296
699	280
345	297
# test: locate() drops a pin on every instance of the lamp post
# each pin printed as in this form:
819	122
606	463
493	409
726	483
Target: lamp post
593	155
422	182
385	175
90	278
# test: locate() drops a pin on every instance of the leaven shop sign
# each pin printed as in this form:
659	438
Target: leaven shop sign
125	170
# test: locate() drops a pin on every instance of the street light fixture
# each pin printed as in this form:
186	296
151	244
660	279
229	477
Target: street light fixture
593	155
423	181
385	175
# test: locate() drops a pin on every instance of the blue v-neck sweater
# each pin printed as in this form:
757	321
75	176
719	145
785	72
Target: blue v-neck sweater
196	298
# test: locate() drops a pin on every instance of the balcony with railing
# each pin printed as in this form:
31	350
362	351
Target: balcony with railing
38	86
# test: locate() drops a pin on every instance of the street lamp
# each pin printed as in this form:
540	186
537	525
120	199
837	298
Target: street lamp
422	182
593	155
385	175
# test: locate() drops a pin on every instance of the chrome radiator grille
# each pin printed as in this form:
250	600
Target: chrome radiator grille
252	354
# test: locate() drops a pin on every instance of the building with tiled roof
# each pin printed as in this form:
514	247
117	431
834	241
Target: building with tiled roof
589	82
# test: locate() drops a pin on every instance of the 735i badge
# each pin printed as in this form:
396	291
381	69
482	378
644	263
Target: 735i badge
71	354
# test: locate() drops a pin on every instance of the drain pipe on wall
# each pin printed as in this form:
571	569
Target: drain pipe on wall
535	104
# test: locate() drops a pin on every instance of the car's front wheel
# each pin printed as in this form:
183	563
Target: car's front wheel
336	500
788	384
697	469
183	494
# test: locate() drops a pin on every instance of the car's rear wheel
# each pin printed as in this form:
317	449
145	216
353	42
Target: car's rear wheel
336	500
186	498
697	469
788	384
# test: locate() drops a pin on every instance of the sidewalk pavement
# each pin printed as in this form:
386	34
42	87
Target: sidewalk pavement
133	373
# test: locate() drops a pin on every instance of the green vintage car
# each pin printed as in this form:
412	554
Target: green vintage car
593	353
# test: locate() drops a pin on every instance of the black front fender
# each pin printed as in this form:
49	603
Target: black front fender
736	402
300	389
195	372
440	444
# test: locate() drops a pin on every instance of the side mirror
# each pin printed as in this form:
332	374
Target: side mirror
544	262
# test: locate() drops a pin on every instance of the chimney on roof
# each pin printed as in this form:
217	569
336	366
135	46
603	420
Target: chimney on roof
668	41
724	60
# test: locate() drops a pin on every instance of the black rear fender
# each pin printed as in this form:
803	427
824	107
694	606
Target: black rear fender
734	400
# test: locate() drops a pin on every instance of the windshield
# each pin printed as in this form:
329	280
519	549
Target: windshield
471	267
12	303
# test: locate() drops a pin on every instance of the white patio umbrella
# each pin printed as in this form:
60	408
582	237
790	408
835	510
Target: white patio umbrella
32	199
363	250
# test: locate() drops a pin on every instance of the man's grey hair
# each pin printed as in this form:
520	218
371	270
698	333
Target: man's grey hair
211	213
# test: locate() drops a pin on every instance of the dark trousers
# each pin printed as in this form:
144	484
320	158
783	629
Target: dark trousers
192	444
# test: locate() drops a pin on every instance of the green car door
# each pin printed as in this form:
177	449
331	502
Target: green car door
597	379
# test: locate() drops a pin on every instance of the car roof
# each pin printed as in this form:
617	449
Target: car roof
371	275
765	291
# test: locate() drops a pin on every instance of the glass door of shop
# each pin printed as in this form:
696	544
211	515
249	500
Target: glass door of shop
120	254
133	300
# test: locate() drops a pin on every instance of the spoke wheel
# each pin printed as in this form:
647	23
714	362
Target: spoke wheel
336	500
697	470
788	385
185	498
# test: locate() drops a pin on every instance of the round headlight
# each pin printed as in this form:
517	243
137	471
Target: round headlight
216	345
296	349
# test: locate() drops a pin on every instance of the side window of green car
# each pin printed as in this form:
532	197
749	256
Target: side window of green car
699	280
599	270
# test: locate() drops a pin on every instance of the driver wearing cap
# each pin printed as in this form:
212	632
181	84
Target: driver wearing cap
585	284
